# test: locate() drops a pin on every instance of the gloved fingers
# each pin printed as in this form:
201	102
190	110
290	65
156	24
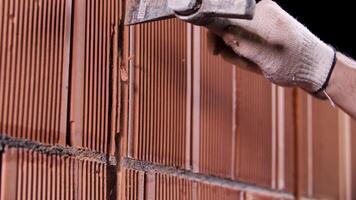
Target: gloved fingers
275	43
270	23
218	38
245	44
217	46
230	56
214	43
254	26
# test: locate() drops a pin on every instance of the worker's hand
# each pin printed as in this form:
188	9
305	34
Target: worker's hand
277	45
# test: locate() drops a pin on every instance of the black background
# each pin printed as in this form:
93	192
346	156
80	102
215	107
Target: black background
333	21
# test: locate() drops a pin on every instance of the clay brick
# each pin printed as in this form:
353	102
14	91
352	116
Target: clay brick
325	150
353	159
158	128
210	192
140	185
266	133
318	147
290	139
34	69
216	113
244	130
260	196
130	181
94	74
236	129
32	175
156	186
169	187
254	125
303	148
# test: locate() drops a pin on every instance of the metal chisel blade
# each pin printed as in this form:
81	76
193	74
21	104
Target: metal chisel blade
138	11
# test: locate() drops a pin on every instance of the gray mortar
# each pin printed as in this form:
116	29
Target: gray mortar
201	178
150	168
78	153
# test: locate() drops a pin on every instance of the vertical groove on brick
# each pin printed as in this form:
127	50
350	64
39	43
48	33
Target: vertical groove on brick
33	69
285	136
310	145
290	162
196	76
280	140
353	159
189	113
274	137
344	156
124	85
234	158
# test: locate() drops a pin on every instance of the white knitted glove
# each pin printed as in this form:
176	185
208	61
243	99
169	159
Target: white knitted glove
287	53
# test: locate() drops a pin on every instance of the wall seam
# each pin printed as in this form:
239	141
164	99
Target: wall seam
201	178
77	153
66	79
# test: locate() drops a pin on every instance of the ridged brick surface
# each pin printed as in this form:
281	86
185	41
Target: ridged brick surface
325	150
34	69
303	143
210	192
260	196
129	189
147	185
319	149
168	187
94	70
32	175
216	113
159	126
254	129
72	74
290	139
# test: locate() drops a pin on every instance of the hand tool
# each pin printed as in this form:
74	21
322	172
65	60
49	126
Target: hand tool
207	13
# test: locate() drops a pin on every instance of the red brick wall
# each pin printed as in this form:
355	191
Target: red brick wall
90	109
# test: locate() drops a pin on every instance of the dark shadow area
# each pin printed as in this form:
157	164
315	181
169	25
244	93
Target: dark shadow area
111	171
332	21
